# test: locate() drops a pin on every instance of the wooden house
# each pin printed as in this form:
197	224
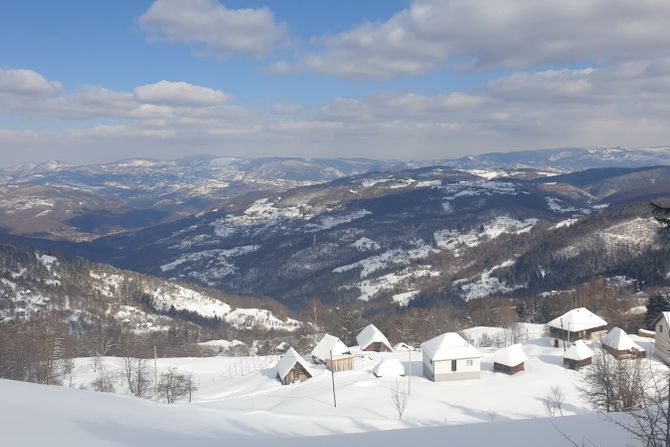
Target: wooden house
662	337
510	360
292	368
576	324
450	357
619	344
333	353
578	355
372	339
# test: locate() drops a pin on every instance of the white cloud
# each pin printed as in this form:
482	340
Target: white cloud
222	31
26	82
493	33
178	94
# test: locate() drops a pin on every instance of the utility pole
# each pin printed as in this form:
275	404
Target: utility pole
332	376
155	375
409	373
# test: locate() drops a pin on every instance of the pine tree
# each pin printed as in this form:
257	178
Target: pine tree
655	305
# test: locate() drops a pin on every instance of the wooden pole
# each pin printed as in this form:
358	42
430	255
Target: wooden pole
155	375
332	376
409	373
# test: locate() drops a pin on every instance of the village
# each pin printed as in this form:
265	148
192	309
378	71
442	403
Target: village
451	379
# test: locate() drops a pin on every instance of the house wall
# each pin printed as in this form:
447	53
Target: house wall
440	370
340	364
498	367
574	364
377	347
624	354
558	336
662	340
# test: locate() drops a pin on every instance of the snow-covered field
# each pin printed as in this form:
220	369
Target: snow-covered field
240	402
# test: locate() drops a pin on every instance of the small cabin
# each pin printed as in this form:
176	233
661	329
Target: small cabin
621	346
292	368
662	337
372	339
333	353
578	355
450	357
576	324
510	360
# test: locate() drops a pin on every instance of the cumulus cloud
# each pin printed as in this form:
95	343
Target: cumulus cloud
492	33
220	30
622	104
178	94
26	82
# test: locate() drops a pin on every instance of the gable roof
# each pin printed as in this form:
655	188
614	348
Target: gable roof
449	346
578	351
618	339
288	361
510	356
389	368
327	344
579	319
370	334
665	315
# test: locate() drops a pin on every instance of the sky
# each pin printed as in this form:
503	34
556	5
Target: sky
84	81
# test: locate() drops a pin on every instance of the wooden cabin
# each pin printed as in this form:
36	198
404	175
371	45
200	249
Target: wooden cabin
510	360
372	339
576	324
332	347
292	368
578	355
450	357
619	344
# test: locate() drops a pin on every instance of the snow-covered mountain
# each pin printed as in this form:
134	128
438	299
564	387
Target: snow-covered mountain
416	236
34	283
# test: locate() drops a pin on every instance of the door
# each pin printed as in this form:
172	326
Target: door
453	365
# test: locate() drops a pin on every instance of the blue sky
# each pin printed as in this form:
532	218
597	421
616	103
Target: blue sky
80	81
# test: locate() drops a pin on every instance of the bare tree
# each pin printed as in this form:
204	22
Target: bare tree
137	374
610	385
399	399
553	401
104	381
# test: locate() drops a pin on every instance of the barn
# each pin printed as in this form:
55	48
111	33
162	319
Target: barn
578	355
510	360
450	357
292	368
619	344
576	324
372	339
333	353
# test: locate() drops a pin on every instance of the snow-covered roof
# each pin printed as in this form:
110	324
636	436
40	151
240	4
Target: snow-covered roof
402	346
327	344
288	361
510	356
578	351
389	368
449	346
618	339
576	320
370	334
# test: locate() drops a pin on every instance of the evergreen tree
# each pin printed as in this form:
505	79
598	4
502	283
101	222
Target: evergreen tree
655	305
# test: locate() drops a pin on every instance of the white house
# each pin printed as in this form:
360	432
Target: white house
450	357
662	337
621	346
510	360
331	346
372	339
292	368
578	355
576	324
389	368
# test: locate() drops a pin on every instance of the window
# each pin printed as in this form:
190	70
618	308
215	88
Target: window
660	328
453	365
468	362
